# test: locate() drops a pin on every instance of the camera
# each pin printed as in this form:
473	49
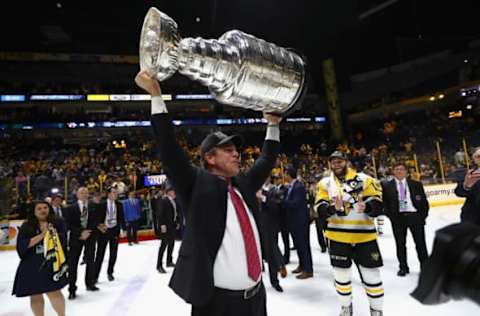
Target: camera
453	268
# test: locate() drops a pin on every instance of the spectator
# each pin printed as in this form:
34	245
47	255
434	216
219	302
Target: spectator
132	211
42	271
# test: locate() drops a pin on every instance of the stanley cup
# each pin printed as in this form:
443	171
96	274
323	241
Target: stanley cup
238	69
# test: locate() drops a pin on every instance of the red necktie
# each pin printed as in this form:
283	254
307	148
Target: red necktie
253	261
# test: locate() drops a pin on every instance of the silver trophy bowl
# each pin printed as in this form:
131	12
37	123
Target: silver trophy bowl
238	69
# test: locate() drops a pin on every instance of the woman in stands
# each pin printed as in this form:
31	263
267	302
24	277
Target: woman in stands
42	268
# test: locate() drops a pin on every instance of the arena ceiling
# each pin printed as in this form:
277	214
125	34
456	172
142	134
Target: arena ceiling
361	35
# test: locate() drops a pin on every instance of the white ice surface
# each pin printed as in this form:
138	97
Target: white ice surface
140	290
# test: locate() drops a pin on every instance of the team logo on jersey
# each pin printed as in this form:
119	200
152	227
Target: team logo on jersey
375	256
354	188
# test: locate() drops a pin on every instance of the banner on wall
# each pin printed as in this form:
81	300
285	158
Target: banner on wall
13	229
442	194
154	180
10	229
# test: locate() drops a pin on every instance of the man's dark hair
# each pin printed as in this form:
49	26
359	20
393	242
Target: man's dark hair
203	161
291	171
400	163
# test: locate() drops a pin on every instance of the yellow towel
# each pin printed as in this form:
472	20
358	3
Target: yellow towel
54	252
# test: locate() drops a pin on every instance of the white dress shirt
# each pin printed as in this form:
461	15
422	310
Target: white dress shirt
111	216
230	269
84	219
58	211
408	206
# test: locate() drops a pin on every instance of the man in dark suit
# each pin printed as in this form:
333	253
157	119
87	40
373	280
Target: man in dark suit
299	219
271	199
166	216
407	207
283	220
469	188
218	270
81	223
56	203
110	222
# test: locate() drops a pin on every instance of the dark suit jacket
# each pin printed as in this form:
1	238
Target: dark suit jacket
101	214
271	216
72	219
204	198
296	204
471	208
417	196
164	214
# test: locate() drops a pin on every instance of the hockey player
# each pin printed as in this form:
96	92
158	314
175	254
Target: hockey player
350	201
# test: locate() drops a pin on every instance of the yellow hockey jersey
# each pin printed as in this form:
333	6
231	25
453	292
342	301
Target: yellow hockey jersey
354	227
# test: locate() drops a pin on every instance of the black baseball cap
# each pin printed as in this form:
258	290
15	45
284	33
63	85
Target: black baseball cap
218	139
338	154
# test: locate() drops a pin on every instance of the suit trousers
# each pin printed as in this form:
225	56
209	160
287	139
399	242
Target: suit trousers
284	230
168	242
76	247
110	238
400	225
277	259
301	240
132	230
225	305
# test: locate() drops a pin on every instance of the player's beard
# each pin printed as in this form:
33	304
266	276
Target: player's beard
341	173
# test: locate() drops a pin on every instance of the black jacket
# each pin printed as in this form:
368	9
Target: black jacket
271	214
417	196
295	204
471	207
163	214
204	198
72	219
101	214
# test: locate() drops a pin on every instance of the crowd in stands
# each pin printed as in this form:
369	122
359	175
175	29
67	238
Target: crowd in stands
36	165
82	86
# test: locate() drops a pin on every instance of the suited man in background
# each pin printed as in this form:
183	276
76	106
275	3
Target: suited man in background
271	199
110	223
218	269
407	207
283	219
132	210
56	203
299	219
82	224
166	218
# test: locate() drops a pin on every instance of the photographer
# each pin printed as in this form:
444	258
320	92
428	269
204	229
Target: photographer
470	189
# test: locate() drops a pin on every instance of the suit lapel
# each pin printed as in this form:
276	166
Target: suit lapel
394	191
79	212
411	189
